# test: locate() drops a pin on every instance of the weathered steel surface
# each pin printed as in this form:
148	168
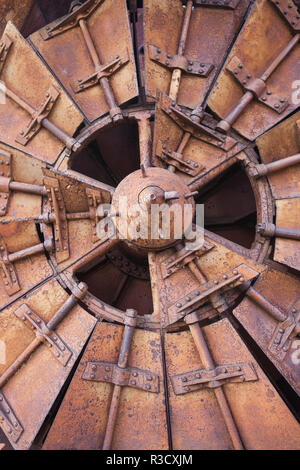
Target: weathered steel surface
29	87
178	290
203	41
15	11
82	49
141	420
196	418
273	321
31	390
261	49
22	273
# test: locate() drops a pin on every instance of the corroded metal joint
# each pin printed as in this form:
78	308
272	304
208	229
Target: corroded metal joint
130	317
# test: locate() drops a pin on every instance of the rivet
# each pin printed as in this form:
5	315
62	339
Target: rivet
133	382
135	374
107	368
92	376
184	379
148	386
149	378
178	305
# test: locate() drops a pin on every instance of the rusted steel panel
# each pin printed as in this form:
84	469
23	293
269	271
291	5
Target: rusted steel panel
30	392
266	49
277	144
197	152
15	11
141	419
270	319
21	273
105	28
209	34
178	290
30	87
257	409
287	216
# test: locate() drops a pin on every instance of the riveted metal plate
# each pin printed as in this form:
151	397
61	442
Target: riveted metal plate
196	418
22	67
32	403
269	31
137	425
210	33
66	53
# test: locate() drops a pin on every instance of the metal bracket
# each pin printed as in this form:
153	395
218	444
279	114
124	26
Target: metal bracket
256	86
56	200
5	178
230	4
289	11
94	200
190	302
58	348
172	62
128	377
285	332
5	46
43	112
8	420
7	271
204	378
103	71
177	261
71	20
188	124
169	157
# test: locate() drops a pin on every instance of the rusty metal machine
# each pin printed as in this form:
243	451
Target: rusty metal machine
145	343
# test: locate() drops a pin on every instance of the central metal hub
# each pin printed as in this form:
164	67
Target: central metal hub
150	206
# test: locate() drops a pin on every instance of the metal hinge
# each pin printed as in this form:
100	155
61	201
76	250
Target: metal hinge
71	20
56	345
169	157
58	208
38	116
285	332
256	86
213	378
128	377
106	70
8	420
5	178
198	130
193	67
177	261
289	11
190	302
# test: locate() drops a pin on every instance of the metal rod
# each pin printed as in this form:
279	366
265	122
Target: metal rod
176	75
266	169
122	364
28	188
33	250
145	139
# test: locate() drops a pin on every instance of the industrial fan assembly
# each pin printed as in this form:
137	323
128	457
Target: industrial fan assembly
117	337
